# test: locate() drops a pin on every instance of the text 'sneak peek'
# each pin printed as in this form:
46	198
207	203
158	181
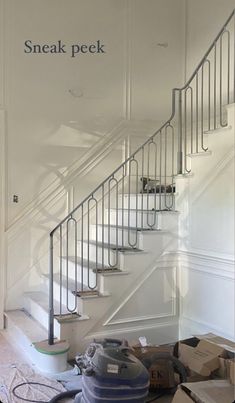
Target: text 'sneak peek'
61	48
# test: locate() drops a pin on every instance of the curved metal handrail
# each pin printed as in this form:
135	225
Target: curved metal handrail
159	130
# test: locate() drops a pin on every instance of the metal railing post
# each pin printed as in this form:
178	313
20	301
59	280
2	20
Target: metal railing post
51	296
180	138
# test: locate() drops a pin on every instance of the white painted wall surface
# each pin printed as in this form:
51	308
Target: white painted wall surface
48	128
204	19
133	79
207	241
207	267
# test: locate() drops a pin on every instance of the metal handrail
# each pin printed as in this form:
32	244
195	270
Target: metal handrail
161	158
162	127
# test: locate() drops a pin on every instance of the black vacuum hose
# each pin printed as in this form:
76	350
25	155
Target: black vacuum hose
63	395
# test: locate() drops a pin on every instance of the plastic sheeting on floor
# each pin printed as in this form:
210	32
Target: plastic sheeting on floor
12	375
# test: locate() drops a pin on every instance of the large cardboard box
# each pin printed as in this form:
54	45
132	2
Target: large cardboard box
213	391
206	354
161	371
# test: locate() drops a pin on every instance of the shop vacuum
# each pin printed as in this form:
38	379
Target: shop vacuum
110	373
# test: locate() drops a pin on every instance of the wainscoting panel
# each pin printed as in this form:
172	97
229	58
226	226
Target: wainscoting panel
207	295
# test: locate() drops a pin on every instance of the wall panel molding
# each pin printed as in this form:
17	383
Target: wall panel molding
113	318
209	264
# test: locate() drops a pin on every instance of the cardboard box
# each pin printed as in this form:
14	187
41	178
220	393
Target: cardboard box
202	359
206	354
231	371
213	391
161	371
181	396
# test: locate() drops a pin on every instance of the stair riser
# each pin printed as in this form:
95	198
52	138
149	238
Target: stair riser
147	202
110	256
132	219
168	221
122	237
36	311
85	306
66	297
82	274
113	283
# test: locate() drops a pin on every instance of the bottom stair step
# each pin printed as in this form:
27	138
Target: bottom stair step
36	304
23	323
28	335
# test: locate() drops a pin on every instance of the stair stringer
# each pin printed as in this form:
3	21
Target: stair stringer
102	311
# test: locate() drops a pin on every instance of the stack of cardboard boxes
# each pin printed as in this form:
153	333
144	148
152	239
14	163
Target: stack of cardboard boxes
210	362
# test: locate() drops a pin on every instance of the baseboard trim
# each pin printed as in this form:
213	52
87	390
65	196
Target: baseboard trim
199	327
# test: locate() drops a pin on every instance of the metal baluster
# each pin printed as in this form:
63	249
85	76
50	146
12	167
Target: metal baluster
117	221
215	84
221	78
191	117
153	215
197	131
142	194
228	96
180	137
51	293
61	268
148	173
202	109
160	171
185	131
133	244
102	220
209	92
165	165
155	179
82	252
88	242
71	219
109	226
170	206
123	177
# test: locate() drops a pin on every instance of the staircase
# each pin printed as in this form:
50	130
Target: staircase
113	259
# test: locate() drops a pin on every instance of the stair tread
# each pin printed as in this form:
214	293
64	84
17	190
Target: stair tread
218	129
200	154
41	299
92	265
148	194
71	282
120	227
146	211
71	287
31	328
114	246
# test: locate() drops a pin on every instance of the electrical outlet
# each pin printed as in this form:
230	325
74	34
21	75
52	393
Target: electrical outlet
15	199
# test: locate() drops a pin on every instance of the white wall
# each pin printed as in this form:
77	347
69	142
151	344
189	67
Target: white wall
207	240
133	79
204	19
38	101
207	227
48	128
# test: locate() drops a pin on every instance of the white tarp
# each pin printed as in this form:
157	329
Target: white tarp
12	375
